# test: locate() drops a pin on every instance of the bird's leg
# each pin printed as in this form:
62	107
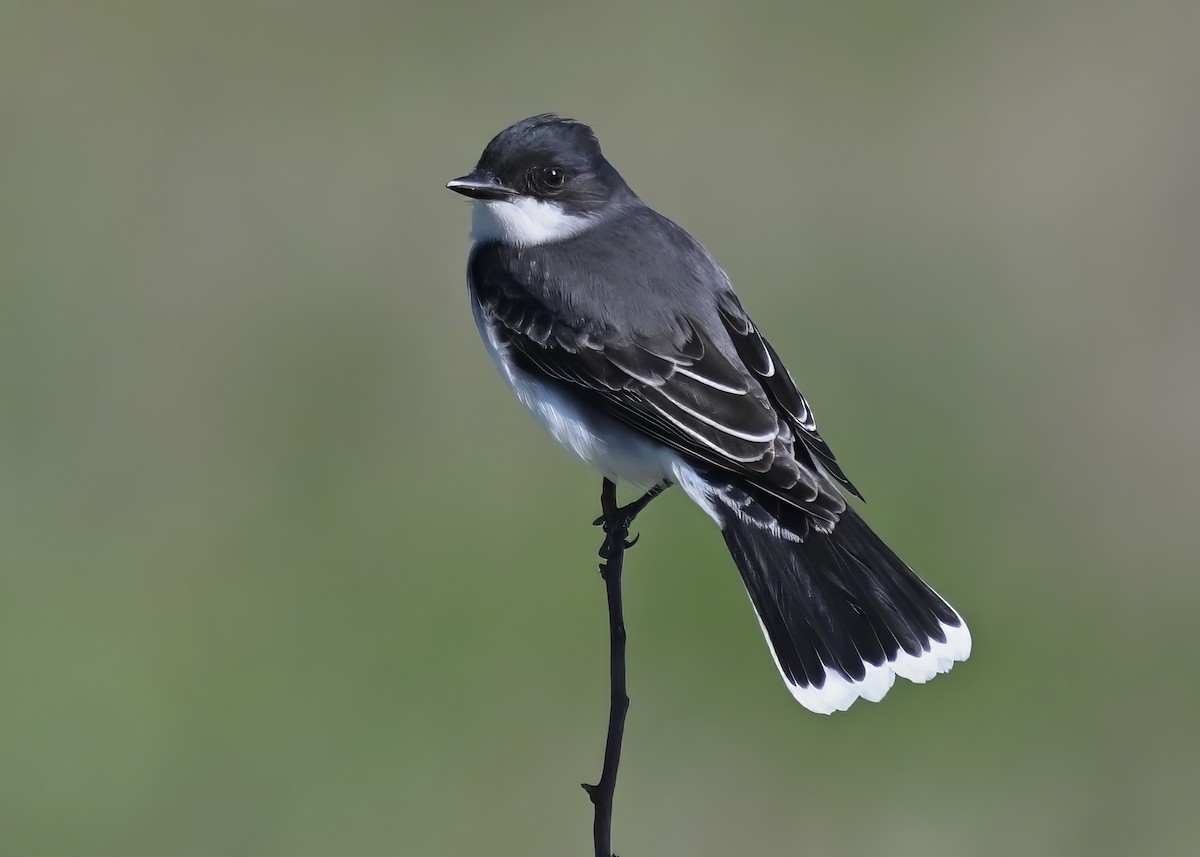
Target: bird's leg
615	520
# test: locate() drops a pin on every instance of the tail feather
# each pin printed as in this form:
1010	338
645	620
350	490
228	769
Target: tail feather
842	614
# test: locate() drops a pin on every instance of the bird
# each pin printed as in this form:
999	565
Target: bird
624	338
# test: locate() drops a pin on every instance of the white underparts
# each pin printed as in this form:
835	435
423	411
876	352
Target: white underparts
708	497
593	437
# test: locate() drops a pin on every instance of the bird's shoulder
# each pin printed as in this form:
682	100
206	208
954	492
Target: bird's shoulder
636	268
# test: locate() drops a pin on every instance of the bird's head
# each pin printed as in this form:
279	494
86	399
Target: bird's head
541	180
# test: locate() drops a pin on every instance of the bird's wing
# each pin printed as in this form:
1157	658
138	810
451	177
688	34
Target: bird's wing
764	364
679	389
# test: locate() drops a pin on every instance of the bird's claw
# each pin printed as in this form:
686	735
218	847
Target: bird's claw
606	549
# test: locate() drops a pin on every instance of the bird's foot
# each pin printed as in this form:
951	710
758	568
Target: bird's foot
616	520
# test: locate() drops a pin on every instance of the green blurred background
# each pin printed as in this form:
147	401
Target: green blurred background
284	570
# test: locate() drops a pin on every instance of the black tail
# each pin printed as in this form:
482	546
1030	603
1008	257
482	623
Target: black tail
842	613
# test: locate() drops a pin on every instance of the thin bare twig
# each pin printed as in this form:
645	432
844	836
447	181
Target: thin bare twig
616	521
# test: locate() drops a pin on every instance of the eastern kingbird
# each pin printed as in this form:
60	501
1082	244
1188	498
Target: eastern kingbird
623	336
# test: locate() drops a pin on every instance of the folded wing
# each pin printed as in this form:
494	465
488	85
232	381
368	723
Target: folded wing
735	408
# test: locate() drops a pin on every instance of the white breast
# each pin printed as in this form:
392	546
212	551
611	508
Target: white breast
591	436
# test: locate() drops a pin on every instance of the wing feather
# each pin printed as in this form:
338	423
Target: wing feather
762	360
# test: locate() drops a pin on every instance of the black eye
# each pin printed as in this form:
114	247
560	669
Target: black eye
552	178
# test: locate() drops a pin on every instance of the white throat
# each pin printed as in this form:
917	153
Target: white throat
524	222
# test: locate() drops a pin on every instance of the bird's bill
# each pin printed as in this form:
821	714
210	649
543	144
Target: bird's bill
480	184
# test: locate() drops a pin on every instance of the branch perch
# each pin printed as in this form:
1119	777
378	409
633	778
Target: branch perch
616	521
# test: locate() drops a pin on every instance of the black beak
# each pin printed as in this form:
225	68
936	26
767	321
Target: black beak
480	184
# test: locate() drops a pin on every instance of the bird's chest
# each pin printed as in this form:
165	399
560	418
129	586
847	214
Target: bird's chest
590	435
